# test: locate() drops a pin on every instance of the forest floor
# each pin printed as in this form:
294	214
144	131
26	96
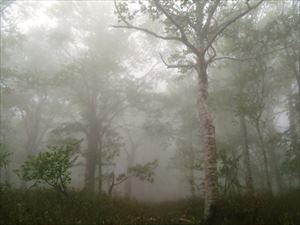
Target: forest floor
45	207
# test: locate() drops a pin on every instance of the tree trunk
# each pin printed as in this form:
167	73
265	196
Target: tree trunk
209	143
295	67
100	177
191	167
293	129
131	160
131	155
7	174
32	124
298	138
274	160
111	186
265	157
192	183
90	167
91	155
100	164
248	177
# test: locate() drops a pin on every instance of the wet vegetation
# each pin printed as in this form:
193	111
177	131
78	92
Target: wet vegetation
46	207
150	112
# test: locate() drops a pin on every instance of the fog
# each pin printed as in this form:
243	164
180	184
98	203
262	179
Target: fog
150	101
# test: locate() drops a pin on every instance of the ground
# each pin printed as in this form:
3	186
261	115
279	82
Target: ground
46	207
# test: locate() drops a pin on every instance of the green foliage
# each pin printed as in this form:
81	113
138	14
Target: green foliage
52	167
144	171
291	145
229	172
4	155
44	207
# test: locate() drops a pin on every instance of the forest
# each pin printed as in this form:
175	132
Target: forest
150	112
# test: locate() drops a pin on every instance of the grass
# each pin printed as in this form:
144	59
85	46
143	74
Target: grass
45	207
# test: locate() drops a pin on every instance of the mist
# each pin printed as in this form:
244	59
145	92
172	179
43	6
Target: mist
150	112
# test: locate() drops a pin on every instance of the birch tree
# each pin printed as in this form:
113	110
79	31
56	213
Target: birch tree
197	25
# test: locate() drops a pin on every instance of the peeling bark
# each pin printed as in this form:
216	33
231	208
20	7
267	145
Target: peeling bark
210	148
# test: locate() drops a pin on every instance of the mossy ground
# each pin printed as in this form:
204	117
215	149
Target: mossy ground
45	207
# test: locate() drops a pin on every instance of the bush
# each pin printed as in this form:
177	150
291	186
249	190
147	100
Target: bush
52	167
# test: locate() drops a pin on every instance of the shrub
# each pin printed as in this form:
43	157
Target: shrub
52	167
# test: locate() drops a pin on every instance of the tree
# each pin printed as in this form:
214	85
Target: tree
92	79
142	172
184	130
285	29
228	170
197	25
52	167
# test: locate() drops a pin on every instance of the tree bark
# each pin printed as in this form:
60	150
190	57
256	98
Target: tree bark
131	160
276	169
111	186
209	143
91	155
248	175
295	67
33	124
265	157
293	129
100	177
192	183
90	167
191	167
298	110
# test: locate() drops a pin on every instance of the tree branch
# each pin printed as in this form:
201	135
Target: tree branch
177	65
212	57
228	23
210	15
124	179
148	32
232	58
130	26
249	58
183	37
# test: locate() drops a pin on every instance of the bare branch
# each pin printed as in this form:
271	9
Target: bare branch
229	22
148	32
212	57
188	19
248	58
124	179
183	37
177	65
211	12
167	14
232	58
130	26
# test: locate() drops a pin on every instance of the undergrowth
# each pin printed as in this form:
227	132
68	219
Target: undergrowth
45	207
